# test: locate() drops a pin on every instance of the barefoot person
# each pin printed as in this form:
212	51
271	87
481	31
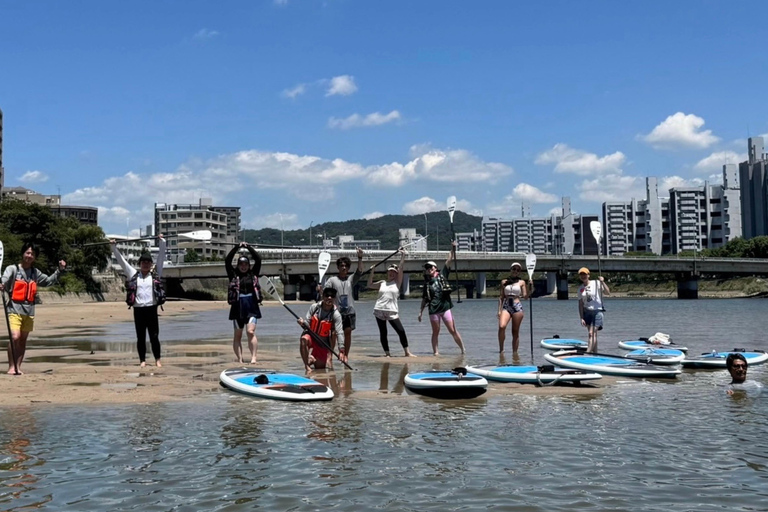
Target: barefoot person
144	288
344	285
244	296
511	307
386	307
437	295
591	306
22	281
324	320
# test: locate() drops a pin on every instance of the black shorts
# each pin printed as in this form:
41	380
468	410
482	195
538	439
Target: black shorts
349	321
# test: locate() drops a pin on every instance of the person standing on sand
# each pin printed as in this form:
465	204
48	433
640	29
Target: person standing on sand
23	280
145	305
345	300
244	296
437	295
591	306
386	307
513	290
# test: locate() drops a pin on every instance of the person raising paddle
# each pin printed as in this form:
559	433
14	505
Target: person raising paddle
23	280
244	297
344	298
591	306
386	307
513	291
437	295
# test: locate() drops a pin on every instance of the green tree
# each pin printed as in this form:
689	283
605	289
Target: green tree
191	256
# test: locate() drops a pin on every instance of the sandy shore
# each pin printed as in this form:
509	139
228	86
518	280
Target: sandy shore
189	372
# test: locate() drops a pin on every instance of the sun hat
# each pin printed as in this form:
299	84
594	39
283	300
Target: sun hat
392	267
583	270
430	264
516	264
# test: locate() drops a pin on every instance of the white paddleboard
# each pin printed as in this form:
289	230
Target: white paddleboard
448	384
533	374
609	365
273	385
562	343
716	359
638	344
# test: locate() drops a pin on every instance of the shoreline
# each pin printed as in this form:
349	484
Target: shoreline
67	376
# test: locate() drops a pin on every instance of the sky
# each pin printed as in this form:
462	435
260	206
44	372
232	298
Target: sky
308	111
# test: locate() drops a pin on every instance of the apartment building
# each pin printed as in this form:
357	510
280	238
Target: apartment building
754	189
172	219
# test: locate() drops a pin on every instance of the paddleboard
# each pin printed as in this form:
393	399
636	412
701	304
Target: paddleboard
638	344
653	355
562	343
454	384
609	365
273	385
717	359
533	374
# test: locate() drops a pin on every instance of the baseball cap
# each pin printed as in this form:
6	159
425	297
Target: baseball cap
583	270
516	264
430	264
392	267
242	259
330	292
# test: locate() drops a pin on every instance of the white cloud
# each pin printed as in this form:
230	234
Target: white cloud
611	187
680	130
557	210
295	91
422	205
715	161
453	165
205	33
34	177
342	85
668	182
358	121
373	215
531	194
577	161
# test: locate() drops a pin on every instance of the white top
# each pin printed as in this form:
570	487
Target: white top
513	290
388	294
144	296
591	295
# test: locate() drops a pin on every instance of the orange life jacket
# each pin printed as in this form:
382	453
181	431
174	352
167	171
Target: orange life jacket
23	290
320	327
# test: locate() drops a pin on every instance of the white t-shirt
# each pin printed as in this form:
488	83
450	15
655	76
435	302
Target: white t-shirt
388	295
591	295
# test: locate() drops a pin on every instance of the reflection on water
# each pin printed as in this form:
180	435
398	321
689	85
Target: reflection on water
640	445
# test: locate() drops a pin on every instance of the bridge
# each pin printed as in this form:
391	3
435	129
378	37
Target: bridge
298	268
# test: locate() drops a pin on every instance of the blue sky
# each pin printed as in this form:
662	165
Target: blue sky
314	111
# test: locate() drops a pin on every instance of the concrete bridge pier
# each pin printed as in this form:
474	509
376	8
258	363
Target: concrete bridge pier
562	286
405	288
551	282
687	286
480	285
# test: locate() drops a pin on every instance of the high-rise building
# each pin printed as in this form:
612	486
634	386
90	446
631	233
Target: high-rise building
638	225
754	190
2	170
172	219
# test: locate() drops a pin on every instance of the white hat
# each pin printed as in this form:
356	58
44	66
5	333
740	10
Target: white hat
430	264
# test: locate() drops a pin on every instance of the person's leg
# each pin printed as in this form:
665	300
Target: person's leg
397	325
237	338
21	348
304	351
591	342
517	319
15	322
598	327
382	325
140	324
153	326
503	322
253	343
451	325
434	321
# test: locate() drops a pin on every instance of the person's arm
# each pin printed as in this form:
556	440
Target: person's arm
581	311
10	272
424	299
256	268
605	286
369	284
400	270
228	262
359	268
45	280
451	254
523	290
338	325
128	270
161	245
502	296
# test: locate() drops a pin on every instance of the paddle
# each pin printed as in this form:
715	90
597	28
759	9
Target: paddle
393	254
451	210
530	264
202	235
323	261
269	286
8	322
597	231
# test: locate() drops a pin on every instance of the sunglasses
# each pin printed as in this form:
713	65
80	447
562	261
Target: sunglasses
739	367
327	296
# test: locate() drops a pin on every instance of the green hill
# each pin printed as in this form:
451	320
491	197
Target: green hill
384	229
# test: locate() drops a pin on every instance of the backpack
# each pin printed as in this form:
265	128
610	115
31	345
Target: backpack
445	286
233	292
158	290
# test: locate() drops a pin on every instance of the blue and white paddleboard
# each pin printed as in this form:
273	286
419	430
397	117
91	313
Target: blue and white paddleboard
638	344
451	384
717	359
562	343
664	356
609	365
532	374
273	385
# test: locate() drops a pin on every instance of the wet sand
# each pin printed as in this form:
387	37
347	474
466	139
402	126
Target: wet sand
189	372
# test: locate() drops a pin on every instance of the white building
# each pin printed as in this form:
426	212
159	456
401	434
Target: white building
172	219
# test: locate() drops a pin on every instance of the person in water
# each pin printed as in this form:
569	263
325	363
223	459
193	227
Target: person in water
22	281
513	291
244	296
736	364
591	306
325	321
437	295
344	284
145	303
386	308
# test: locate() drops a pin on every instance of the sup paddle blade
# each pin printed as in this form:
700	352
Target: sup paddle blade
597	230
451	207
530	264
197	235
2	254
322	263
268	286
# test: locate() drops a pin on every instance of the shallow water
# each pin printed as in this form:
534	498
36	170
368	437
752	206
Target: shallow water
640	445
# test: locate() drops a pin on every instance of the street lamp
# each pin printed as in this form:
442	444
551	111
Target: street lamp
426	229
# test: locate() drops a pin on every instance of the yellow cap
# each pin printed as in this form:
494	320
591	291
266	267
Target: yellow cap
583	270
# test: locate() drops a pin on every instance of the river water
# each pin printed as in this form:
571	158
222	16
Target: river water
641	445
